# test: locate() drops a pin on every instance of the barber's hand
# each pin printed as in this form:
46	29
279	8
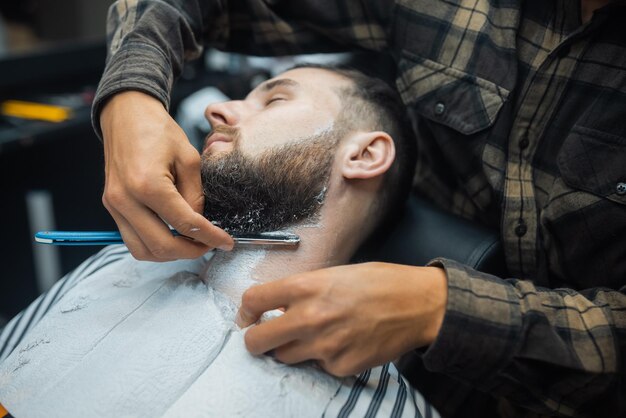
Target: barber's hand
348	318
152	176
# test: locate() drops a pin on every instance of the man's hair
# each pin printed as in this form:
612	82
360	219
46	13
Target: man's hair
372	104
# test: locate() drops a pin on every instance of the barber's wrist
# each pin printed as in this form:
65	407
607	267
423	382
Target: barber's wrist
124	100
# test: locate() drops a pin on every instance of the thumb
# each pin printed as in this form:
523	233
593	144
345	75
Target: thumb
244	319
189	181
263	297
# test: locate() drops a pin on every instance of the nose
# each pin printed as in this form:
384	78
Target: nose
224	113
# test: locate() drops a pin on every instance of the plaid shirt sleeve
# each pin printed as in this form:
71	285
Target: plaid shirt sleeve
550	350
149	41
519	118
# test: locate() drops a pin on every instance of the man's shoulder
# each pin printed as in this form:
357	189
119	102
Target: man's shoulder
118	259
114	265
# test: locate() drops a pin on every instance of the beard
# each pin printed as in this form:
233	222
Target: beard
283	186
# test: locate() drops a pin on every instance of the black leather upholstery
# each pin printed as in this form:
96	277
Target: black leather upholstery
425	232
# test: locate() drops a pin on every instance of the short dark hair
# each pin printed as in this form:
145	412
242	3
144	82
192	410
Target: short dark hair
369	102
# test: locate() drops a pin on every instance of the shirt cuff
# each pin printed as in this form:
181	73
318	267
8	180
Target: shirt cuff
482	326
135	66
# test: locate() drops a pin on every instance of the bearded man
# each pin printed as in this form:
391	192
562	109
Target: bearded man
323	153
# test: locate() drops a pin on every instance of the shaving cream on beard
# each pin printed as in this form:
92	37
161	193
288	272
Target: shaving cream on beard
230	273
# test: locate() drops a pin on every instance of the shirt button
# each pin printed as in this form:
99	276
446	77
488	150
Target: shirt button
524	142
620	188
440	108
521	228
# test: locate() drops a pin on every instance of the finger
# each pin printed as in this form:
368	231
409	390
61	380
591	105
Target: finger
264	297
189	181
166	202
272	334
158	238
134	243
294	352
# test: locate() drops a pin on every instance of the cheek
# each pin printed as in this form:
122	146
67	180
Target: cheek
280	128
312	121
260	136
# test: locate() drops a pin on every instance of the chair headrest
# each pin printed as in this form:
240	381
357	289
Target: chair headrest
425	232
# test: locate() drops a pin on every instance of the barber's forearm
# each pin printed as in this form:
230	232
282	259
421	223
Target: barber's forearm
150	41
139	71
148	44
506	336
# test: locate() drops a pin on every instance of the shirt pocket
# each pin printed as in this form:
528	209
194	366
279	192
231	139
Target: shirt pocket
593	161
584	222
446	95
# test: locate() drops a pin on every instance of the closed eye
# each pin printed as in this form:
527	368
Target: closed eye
274	99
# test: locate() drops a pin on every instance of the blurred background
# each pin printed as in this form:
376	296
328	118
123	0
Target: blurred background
52	53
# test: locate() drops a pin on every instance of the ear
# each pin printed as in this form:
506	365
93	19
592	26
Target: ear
367	155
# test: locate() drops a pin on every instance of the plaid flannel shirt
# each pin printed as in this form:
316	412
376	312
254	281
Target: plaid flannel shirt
520	115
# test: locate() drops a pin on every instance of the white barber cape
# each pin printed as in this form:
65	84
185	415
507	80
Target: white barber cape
119	337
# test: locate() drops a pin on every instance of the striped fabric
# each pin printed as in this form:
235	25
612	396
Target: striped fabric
379	392
519	110
18	327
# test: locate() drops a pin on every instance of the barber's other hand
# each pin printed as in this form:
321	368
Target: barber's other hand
348	318
153	174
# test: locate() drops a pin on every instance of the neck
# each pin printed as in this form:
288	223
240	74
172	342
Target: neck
325	242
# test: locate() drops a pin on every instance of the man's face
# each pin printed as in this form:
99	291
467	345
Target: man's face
293	106
267	162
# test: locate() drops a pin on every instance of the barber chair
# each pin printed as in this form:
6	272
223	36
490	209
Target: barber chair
422	233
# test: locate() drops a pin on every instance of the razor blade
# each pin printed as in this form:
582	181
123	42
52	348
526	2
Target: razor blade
82	238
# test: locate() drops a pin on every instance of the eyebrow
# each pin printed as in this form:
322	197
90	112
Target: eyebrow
281	82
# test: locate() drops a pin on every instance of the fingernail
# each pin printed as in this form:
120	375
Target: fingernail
239	320
225	247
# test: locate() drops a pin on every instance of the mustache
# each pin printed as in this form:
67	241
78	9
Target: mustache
226	130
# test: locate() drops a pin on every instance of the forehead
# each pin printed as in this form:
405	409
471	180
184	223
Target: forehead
315	76
316	82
